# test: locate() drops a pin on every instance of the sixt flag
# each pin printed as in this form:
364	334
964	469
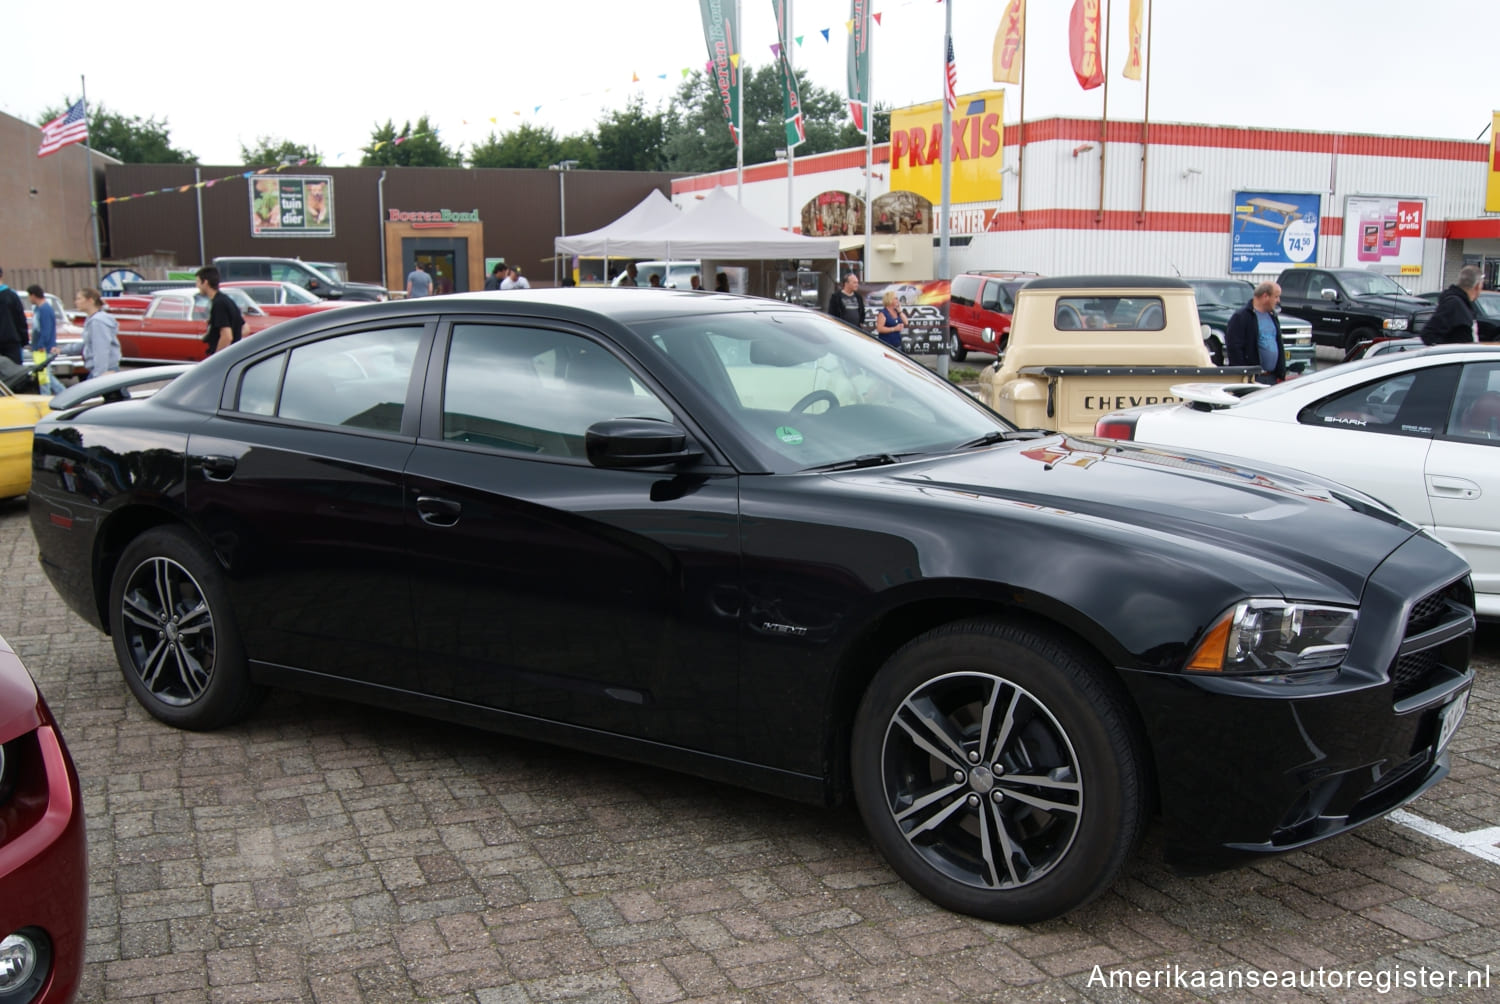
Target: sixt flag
721	33
796	129
859	64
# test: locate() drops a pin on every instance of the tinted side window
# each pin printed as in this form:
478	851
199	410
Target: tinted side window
1476	406
535	391
357	380
260	294
996	298
1319	281
282	272
1294	284
259	385
1414	403
963	290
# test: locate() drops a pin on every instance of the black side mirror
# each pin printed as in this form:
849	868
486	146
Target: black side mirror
638	442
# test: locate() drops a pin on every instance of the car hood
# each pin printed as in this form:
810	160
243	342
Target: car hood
1280	518
1395	302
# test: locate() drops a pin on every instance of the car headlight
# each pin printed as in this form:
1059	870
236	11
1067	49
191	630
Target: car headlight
1267	637
1395	323
1207	331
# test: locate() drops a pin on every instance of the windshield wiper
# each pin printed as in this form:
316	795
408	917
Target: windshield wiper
1003	436
867	460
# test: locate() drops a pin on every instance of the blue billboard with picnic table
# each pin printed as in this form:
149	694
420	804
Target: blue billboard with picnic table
1270	231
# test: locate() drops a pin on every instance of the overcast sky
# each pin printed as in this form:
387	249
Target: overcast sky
326	74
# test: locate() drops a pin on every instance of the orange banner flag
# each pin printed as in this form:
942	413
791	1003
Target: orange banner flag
1132	70
1009	38
1083	44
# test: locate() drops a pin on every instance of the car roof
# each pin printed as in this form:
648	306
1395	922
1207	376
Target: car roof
1001	273
1107	282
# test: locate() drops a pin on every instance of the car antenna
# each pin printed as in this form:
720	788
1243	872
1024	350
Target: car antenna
1176	269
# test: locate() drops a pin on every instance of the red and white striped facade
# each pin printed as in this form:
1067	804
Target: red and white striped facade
1051	220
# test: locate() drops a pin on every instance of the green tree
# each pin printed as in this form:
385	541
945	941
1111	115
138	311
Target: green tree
131	139
420	146
269	150
629	139
698	138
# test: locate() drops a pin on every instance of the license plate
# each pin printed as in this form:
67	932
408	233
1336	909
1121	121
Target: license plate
1449	717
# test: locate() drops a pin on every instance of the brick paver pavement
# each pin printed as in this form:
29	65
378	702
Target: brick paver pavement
328	852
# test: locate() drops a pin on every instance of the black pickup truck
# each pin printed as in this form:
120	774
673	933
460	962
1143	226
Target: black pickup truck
1345	306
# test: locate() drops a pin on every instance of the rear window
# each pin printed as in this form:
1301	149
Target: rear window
963	290
1109	313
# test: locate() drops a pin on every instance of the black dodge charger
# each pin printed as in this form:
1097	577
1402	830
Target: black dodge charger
737	538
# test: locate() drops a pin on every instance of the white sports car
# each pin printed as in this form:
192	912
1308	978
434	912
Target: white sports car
1418	430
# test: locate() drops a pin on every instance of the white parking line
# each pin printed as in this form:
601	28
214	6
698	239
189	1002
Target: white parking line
1480	843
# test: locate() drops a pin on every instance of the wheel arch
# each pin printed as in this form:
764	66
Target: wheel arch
116	532
895	625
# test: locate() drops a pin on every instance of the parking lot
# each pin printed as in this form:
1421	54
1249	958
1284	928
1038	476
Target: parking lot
329	852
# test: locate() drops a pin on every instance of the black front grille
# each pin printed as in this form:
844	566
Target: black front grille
1417	669
1413	673
1428	613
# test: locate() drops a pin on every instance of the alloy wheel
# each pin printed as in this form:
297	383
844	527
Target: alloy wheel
169	631
982	781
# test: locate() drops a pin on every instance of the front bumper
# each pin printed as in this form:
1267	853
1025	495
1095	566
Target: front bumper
1247	768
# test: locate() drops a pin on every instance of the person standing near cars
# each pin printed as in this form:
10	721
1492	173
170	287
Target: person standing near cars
12	322
1253	337
1456	319
225	322
101	334
845	302
418	283
890	322
496	277
514	279
43	339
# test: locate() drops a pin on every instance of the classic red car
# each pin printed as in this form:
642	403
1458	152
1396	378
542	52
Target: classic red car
168	327
284	299
43	861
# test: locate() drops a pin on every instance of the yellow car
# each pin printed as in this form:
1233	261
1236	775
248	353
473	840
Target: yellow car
18	416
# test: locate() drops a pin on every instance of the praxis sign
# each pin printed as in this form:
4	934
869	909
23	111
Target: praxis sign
978	148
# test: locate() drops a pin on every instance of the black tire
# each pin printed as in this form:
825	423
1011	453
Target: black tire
956	350
1356	336
1043	819
175	635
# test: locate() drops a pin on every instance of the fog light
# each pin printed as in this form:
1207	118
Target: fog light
18	960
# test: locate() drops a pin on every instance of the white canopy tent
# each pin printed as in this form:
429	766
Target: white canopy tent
651	212
717	229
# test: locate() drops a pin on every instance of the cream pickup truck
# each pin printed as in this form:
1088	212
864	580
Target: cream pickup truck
1083	346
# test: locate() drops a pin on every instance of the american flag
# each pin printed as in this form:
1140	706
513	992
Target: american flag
72	126
950	82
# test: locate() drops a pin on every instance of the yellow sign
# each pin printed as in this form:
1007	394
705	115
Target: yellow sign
978	147
1411	269
1492	190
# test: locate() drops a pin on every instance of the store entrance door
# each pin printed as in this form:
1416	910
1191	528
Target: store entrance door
446	260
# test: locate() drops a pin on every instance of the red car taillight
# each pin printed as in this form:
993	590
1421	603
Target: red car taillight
1115	427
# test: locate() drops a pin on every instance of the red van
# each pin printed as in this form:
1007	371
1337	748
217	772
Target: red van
979	300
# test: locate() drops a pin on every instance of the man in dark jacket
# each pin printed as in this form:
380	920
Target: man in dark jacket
845	303
13	333
1253	337
1456	320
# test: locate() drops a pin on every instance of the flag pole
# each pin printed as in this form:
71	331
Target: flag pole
869	138
1021	134
88	146
791	151
1146	117
1104	116
739	117
947	162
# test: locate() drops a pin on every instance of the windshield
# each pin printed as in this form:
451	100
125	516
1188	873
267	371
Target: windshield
296	294
1488	306
1229	293
807	390
1370	284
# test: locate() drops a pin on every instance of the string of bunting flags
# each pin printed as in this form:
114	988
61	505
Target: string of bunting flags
635	78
